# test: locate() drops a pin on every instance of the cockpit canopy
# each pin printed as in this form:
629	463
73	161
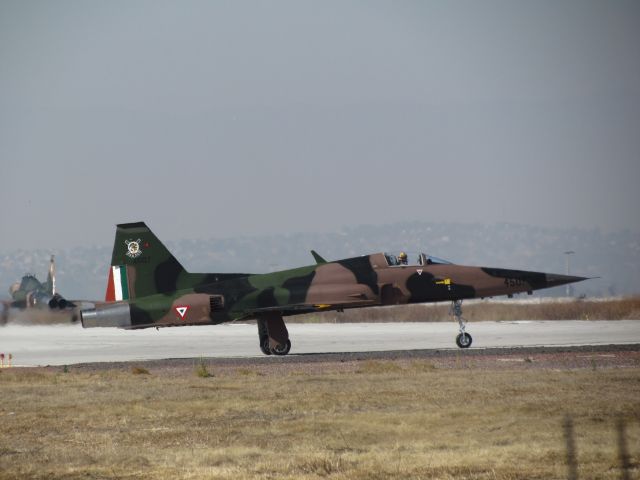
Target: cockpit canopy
412	258
29	283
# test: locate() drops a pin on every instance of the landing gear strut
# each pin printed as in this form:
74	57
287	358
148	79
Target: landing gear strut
463	340
273	334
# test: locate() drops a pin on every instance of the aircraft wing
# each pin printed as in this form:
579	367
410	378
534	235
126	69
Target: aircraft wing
312	307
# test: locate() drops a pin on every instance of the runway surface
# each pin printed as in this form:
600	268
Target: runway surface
66	345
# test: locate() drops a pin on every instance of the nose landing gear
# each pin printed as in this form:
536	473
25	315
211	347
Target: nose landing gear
463	340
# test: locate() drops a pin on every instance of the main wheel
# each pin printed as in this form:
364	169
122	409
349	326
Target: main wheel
282	349
264	345
463	340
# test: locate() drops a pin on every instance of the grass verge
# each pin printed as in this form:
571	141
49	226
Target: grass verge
380	420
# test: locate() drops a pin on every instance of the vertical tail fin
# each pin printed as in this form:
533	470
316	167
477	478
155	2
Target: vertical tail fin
50	286
140	264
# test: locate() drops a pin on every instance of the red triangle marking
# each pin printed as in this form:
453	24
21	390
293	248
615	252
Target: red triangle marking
182	310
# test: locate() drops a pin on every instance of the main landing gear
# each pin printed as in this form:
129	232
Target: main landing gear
273	334
463	340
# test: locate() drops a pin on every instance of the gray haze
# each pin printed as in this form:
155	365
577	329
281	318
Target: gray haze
613	257
224	118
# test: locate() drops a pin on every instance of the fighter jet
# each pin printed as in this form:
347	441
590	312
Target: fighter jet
148	287
30	293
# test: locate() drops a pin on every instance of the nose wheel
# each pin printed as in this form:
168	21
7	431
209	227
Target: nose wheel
463	340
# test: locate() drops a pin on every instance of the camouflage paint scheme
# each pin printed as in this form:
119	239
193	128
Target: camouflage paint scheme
152	289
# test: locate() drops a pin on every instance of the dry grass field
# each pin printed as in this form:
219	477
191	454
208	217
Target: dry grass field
626	308
461	417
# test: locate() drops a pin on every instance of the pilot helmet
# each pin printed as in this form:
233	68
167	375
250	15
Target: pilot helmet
402	256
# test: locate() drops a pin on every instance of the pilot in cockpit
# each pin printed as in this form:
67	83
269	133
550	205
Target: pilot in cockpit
402	258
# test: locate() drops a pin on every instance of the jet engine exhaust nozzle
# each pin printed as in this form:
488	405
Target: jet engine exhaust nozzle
110	315
57	301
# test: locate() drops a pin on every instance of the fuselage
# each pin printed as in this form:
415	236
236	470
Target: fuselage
371	280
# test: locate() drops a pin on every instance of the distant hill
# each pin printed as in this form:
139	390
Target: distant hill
615	256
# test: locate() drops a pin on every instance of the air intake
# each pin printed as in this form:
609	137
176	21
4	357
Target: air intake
216	303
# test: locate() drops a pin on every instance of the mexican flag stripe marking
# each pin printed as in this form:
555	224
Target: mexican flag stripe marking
125	282
120	282
111	293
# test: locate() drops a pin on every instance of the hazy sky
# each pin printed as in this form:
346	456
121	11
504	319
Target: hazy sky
221	118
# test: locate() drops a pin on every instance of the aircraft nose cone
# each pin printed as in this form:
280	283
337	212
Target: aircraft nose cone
554	280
